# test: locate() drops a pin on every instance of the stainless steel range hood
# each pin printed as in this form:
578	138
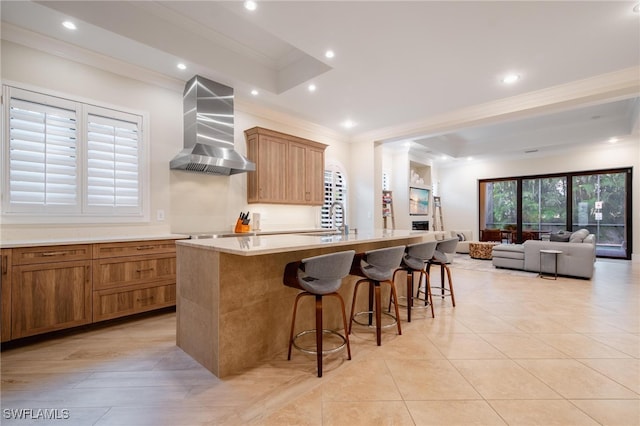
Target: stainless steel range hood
208	131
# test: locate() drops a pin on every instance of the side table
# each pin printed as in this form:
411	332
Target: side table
555	254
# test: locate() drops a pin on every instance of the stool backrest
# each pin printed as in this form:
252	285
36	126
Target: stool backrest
422	251
447	246
332	266
381	263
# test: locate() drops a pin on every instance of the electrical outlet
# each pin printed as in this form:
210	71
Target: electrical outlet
160	215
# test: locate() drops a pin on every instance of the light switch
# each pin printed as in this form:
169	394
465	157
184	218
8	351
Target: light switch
160	215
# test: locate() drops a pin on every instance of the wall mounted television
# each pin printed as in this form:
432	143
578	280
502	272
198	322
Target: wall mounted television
418	201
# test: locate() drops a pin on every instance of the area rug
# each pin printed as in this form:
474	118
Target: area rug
464	261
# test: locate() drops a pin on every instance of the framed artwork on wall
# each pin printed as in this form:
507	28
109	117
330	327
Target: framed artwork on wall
418	201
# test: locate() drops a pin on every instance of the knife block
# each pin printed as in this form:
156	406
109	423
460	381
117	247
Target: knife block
240	228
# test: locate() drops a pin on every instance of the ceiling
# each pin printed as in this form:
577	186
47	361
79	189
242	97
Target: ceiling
395	62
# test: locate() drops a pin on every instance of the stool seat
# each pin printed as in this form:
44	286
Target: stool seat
319	276
377	266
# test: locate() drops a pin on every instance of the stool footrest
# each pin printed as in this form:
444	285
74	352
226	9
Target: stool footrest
395	320
325	351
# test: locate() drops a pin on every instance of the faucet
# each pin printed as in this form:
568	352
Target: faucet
343	228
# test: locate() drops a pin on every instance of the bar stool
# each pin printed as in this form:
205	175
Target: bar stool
319	276
415	259
444	248
377	266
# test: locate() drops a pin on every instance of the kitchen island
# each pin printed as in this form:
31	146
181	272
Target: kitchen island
233	310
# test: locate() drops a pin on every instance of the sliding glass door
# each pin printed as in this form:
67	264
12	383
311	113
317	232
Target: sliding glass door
599	202
532	207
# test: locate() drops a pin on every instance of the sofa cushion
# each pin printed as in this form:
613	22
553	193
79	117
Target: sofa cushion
579	236
461	236
560	236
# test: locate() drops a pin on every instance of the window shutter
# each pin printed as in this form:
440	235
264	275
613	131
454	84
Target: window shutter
334	190
113	169
43	157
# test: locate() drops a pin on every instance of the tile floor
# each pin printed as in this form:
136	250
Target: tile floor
516	350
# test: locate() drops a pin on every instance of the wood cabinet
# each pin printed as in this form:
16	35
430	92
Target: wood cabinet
289	169
50	289
5	294
133	277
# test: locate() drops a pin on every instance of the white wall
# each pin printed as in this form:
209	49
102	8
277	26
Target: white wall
191	202
459	184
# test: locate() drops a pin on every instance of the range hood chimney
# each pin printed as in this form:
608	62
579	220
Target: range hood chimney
208	131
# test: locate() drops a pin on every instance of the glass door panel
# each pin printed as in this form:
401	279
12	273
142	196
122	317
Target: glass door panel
544	206
498	205
600	205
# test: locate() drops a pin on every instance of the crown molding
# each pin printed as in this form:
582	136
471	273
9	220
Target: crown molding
617	85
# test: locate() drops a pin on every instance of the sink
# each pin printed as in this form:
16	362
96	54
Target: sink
322	233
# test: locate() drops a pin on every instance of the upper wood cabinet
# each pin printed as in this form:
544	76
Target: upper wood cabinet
289	169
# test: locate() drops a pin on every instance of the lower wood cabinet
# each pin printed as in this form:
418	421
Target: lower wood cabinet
51	288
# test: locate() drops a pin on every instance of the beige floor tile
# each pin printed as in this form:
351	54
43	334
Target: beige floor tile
521	345
366	413
611	412
543	412
410	346
574	380
627	343
305	410
580	346
503	379
422	380
466	346
168	416
368	380
467	413
624	371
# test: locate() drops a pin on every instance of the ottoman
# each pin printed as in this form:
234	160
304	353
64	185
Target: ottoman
508	256
481	249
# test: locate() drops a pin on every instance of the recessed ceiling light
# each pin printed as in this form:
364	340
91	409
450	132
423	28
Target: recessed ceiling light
348	124
510	78
312	87
469	158
250	5
69	25
613	140
254	92
329	54
182	66
443	158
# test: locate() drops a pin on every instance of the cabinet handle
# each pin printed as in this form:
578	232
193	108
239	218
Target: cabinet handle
143	299
144	247
54	253
4	264
144	270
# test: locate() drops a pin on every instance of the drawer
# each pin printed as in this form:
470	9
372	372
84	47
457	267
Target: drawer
109	304
133	248
124	272
46	254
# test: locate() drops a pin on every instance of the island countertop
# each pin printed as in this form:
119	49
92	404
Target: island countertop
268	244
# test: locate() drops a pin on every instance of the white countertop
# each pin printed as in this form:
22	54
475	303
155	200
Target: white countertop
267	244
89	240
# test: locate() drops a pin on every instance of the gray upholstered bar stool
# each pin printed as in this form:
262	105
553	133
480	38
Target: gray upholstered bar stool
415	259
319	276
444	249
377	266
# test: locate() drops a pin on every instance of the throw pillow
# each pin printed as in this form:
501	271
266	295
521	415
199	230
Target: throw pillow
461	237
560	236
579	236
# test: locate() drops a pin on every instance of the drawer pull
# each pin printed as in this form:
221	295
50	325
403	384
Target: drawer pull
5	264
144	270
54	253
144	299
144	247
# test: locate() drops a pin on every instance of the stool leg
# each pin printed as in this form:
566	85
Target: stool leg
453	298
353	303
442	279
371	300
344	322
319	332
428	285
378	308
395	297
293	322
409	295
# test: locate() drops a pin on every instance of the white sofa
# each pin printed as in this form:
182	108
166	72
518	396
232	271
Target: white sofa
576	260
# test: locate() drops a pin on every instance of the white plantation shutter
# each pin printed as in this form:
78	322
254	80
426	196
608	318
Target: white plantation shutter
113	171
43	157
66	159
334	190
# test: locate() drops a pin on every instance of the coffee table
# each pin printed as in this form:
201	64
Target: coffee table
482	249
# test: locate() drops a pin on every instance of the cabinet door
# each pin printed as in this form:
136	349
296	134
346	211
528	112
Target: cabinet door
50	296
315	176
5	287
128	271
272	170
298	189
